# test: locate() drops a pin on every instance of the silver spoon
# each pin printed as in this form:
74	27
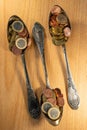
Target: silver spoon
60	30
18	37
38	34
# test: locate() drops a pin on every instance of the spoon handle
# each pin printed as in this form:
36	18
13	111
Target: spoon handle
41	50
33	103
73	98
26	73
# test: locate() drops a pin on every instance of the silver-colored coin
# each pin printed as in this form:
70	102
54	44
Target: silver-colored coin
54	113
17	26
46	106
21	43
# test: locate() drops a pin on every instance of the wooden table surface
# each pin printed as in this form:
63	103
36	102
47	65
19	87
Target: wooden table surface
13	94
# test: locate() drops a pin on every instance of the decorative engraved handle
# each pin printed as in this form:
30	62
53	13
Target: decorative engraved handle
73	97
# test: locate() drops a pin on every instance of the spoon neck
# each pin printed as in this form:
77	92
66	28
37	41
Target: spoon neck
45	70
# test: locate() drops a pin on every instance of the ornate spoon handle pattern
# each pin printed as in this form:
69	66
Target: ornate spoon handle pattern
73	98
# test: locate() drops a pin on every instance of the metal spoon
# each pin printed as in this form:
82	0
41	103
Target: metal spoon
38	34
60	30
18	37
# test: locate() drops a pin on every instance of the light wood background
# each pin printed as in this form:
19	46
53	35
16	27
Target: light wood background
13	95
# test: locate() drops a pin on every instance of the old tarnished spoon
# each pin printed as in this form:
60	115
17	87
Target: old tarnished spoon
51	99
18	38
60	30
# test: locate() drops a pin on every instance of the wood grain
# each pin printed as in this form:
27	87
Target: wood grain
13	96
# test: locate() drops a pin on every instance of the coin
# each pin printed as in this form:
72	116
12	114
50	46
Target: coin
46	106
17	26
52	100
56	30
57	91
16	51
11	45
24	33
21	43
13	36
62	19
54	113
48	93
58	42
44	99
56	10
60	101
67	31
60	37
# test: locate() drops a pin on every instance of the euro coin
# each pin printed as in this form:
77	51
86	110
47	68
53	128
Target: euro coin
21	43
54	113
46	106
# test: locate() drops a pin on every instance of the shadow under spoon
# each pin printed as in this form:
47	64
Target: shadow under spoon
18	38
60	30
38	35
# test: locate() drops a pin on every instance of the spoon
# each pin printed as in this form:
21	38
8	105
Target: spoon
18	38
48	94
60	30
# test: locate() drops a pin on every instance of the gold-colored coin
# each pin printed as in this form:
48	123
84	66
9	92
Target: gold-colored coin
11	45
21	43
44	99
46	106
17	26
60	37
54	113
58	42
13	37
56	30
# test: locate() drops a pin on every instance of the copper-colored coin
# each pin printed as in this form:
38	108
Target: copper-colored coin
58	90
52	101
56	10
23	33
67	31
53	21
16	51
60	101
48	93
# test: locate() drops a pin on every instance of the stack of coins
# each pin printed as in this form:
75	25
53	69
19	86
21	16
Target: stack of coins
59	97
52	102
48	95
17	35
59	25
